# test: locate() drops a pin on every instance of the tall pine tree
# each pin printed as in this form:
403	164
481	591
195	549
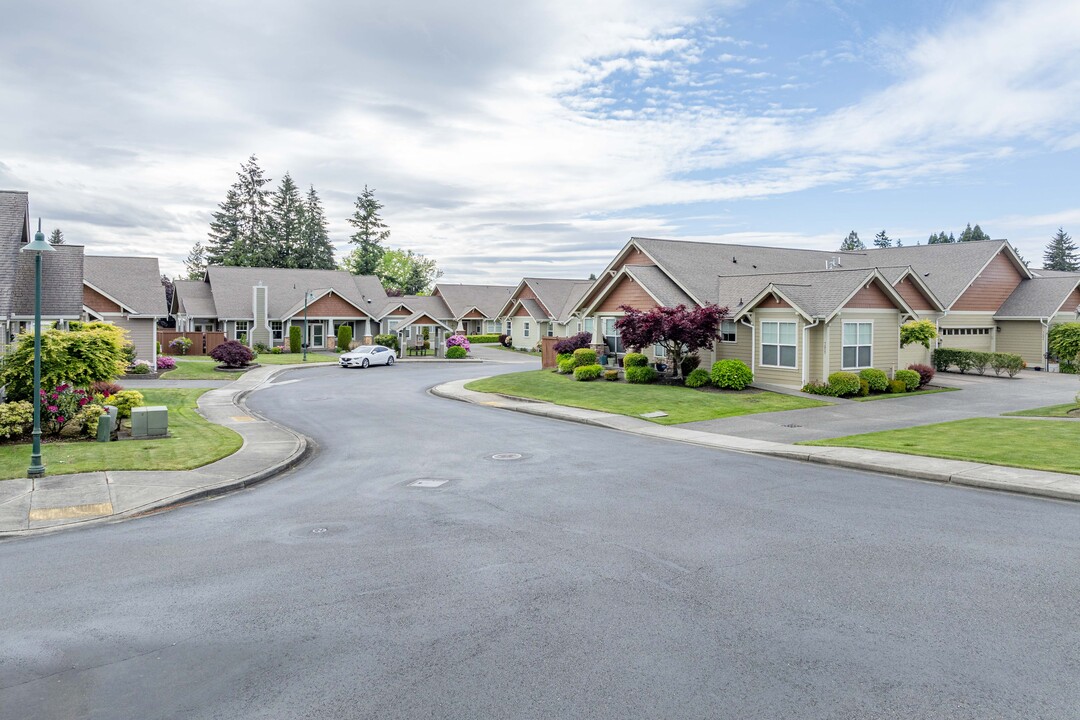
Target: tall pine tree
1061	253
285	226
224	231
882	240
252	247
316	251
196	262
852	242
57	237
370	236
941	237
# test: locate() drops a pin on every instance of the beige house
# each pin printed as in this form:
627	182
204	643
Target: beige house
126	292
543	307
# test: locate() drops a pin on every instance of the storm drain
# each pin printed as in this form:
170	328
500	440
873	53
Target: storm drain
507	456
428	483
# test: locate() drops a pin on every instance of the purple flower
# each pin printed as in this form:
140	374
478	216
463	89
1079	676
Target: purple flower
60	419
52	408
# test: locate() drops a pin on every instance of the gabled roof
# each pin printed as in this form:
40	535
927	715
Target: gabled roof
61	283
559	295
818	294
232	289
406	322
133	282
193	298
657	283
14	231
433	306
1043	272
1038	298
461	299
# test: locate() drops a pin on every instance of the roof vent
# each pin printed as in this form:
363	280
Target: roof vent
832	263
733	259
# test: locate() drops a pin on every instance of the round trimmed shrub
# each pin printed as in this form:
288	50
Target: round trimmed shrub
640	375
844	384
635	360
584	356
816	387
876	379
611	375
456	352
16	418
910	378
864	388
926	373
731	374
566	366
564	356
689	364
698	377
897	386
124	400
587	372
232	354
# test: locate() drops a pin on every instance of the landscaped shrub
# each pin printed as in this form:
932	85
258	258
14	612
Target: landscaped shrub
277	350
584	356
141	367
130	353
16	419
389	340
455	353
181	345
844	384
689	364
980	361
640	375
587	372
482	339
88	417
164	362
897	387
921	332
635	360
611	375
295	338
864	388
458	341
926	373
262	348
816	387
1006	363
563	356
124	400
566	366
1063	340
344	337
698	377
574	342
80	356
731	374
232	354
910	378
105	388
876	379
506	341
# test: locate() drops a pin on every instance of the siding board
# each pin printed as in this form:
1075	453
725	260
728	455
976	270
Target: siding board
627	292
993	286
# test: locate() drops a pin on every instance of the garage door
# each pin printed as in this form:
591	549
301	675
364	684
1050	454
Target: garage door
972	338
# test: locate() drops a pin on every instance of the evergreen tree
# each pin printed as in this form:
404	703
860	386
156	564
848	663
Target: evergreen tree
371	233
1061	253
967	234
57	237
941	237
978	234
316	250
252	247
196	262
285	226
882	240
224	232
852	242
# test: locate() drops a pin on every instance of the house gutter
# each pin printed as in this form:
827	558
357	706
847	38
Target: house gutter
1045	322
806	350
753	353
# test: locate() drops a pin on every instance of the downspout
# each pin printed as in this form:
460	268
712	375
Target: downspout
1045	343
753	347
806	350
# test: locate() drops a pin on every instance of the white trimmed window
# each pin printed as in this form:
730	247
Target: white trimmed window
489	326
241	329
550	329
966	331
728	331
509	327
589	325
277	331
391	326
659	351
858	345
778	346
526	332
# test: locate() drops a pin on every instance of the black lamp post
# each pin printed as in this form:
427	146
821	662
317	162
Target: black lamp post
38	246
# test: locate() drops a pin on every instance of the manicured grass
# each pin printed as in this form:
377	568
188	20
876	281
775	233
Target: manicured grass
499	346
194	442
682	404
202	368
887	396
1048	445
1050	411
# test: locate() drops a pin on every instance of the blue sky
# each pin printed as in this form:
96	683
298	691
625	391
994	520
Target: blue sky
535	138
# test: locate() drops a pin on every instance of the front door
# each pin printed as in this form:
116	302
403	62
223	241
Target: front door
316	337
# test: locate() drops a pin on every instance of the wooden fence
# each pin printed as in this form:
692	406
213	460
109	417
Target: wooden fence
201	342
547	352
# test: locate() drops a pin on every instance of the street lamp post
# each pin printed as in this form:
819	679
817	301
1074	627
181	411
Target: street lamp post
307	296
38	246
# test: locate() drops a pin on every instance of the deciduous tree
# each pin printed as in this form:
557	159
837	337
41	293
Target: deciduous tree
681	331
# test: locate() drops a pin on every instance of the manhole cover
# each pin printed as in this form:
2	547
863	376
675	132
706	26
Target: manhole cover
507	456
428	483
792	425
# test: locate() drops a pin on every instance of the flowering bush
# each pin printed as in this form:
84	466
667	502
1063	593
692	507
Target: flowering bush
181	345
232	354
166	363
142	367
458	341
61	404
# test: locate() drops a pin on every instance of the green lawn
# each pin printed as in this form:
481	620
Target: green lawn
886	396
500	346
202	368
194	442
1048	445
682	404
1050	411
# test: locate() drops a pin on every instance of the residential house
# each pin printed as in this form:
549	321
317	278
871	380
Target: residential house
541	307
127	292
473	309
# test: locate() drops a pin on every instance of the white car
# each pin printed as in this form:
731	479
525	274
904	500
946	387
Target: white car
366	355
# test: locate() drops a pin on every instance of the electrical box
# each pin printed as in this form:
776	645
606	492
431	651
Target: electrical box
149	421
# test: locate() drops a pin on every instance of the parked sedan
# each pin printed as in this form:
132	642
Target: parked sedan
366	355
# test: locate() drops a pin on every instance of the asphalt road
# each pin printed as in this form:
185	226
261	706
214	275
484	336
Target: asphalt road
601	575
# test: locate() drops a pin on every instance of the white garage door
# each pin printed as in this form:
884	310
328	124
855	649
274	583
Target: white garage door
972	338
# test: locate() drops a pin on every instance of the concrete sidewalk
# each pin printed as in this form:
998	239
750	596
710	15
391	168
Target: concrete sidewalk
956	472
30	507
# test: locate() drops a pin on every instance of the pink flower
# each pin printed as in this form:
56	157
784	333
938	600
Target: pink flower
52	408
60	419
83	401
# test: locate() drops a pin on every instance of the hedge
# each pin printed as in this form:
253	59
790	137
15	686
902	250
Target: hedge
389	340
587	372
487	338
640	375
964	360
584	356
844	384
911	379
699	377
1064	342
876	379
731	374
635	360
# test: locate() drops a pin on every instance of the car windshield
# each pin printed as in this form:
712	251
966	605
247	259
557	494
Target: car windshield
364	349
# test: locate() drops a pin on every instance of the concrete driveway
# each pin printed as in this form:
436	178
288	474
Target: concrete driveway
978	396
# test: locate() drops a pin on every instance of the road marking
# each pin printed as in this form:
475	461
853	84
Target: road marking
427	483
72	511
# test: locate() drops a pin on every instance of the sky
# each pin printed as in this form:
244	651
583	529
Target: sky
534	138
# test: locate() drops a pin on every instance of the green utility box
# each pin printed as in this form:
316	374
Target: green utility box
149	421
106	427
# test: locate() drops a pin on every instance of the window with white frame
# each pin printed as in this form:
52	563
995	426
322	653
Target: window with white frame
659	351
727	331
241	329
778	346
589	325
526	331
277	331
858	345
550	329
391	326
509	327
966	331
489	326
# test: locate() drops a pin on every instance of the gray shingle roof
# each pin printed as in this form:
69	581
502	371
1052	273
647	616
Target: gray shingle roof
231	288
194	299
61	283
488	299
659	285
134	281
434	306
534	309
818	294
13	232
1043	272
1038	297
560	296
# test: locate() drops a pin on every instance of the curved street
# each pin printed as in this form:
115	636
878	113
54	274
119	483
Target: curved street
591	573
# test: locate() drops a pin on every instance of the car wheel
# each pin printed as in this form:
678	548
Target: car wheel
364	364
390	360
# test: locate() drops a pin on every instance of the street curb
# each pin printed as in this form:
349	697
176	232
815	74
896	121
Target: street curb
884	463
